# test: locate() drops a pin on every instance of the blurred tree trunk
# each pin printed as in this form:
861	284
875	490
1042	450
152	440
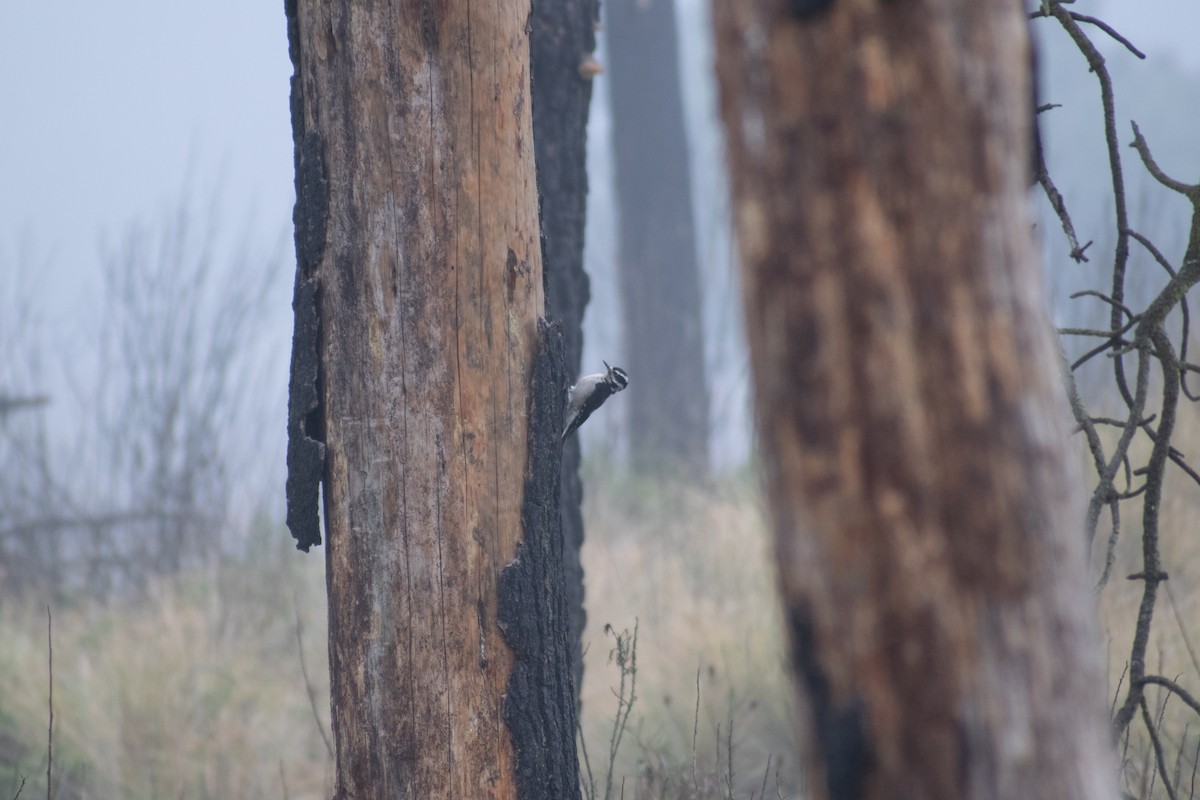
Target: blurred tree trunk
419	263
926	504
562	39
659	276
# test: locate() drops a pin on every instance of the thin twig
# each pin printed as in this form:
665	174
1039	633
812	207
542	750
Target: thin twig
1112	709
762	793
1119	423
1096	332
1162	261
625	654
1174	688
589	788
22	786
1189	190
729	761
1159	758
1095	446
50	724
1058	204
717	758
1110	301
1178	776
308	687
1187	641
695	734
1195	763
1110	552
1096	63
1150	510
1104	490
1104	26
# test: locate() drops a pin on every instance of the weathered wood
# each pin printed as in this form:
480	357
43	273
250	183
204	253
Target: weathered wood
429	288
913	425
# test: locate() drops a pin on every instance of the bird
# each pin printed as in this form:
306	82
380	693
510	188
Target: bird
589	393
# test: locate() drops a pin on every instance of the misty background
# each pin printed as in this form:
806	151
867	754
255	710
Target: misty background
123	117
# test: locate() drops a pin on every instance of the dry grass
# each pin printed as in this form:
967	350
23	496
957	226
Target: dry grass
692	566
1174	648
196	690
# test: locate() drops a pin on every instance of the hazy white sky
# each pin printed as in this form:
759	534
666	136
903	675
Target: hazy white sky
1160	26
108	108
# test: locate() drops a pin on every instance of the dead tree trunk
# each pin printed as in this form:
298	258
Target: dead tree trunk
420	283
926	507
563	37
659	275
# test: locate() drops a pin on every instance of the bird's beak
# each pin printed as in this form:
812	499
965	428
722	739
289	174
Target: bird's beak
606	366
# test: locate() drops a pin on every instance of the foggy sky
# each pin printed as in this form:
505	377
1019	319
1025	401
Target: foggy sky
109	111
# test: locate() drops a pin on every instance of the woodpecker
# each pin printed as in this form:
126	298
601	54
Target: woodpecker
590	393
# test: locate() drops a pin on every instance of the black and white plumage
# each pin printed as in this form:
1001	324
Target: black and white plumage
590	393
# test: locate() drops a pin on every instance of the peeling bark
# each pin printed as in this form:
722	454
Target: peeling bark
926	507
306	448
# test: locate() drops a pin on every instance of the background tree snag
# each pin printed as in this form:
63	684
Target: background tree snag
659	274
927	510
428	285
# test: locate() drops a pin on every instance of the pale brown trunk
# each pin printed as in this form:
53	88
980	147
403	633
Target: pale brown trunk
417	236
913	427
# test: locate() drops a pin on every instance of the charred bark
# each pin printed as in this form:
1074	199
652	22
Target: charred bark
540	701
562	39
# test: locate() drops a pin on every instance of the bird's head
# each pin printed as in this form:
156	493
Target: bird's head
616	377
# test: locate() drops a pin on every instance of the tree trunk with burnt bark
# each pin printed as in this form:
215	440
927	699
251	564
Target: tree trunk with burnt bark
562	38
913	425
428	399
659	273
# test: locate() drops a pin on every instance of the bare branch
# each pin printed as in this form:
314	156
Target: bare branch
1110	553
1104	26
1116	304
1150	327
1174	688
1121	251
1058	204
1159	757
1189	190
